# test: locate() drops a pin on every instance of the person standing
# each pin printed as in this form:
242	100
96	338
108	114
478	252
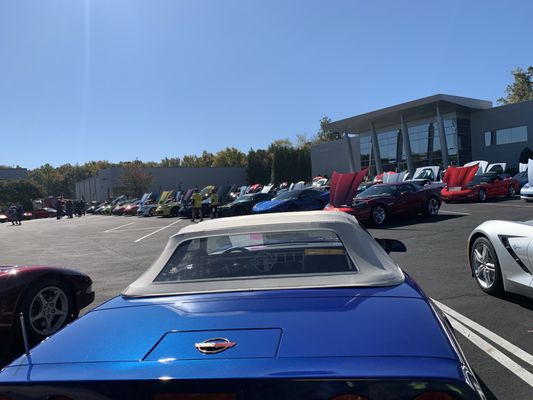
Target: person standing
13	214
196	205
20	214
214	204
59	209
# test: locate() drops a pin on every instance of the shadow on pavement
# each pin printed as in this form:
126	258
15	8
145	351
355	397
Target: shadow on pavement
407	220
518	299
488	393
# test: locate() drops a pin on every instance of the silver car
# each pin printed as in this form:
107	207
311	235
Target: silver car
501	257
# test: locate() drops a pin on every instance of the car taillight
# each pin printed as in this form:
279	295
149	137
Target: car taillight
434	396
349	397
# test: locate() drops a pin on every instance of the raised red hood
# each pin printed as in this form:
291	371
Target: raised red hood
459	176
344	187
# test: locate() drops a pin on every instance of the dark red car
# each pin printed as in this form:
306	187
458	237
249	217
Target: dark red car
131	209
462	184
380	202
48	297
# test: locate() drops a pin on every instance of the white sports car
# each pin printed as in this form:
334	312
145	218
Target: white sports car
501	257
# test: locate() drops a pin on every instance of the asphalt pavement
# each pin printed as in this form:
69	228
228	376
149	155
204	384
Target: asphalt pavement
496	334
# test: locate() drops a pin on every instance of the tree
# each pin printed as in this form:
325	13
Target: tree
45	178
522	87
135	179
324	134
259	166
229	157
171	162
19	191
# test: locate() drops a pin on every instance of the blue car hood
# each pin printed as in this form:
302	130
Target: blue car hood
268	205
290	324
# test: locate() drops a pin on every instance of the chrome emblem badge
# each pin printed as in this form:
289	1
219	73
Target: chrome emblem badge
215	345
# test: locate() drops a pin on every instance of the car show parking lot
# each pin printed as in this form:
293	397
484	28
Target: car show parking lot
495	333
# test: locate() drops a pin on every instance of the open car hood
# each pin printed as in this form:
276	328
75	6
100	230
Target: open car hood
394	177
423	172
344	187
498	168
459	176
482	166
530	172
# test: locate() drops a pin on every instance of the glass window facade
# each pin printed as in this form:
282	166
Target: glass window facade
388	149
505	136
365	147
425	145
422	139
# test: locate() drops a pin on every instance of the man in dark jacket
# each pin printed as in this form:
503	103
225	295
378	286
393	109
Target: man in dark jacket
20	214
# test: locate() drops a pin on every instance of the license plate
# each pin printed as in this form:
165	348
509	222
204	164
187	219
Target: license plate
455	189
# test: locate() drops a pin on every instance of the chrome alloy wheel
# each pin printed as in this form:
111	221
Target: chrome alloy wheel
512	191
379	215
484	265
433	207
48	310
482	195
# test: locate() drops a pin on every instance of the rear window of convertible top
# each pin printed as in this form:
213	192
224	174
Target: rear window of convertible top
257	255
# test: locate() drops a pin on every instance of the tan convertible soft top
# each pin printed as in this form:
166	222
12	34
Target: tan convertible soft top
374	266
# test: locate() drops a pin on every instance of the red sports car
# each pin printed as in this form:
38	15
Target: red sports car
380	202
462	183
48	297
131	209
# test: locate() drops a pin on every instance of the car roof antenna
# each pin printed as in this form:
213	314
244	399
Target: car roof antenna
24	335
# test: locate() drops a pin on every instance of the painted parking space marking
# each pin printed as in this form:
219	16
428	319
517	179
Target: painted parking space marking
466	327
453	212
493	352
156	231
118	227
508	205
146	228
511	348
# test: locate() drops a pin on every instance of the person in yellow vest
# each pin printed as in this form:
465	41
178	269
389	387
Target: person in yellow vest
196	205
214	204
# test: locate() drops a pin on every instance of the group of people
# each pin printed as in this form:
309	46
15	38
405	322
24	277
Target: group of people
16	212
70	208
197	205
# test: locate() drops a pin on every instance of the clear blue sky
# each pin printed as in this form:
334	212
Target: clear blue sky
123	79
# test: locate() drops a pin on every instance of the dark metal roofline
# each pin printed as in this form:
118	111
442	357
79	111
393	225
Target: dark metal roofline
362	121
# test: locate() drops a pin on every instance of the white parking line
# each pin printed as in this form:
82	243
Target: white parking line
146	228
453	212
492	351
159	230
118	227
511	348
507	205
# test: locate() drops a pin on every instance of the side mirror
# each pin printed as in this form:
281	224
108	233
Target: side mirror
392	245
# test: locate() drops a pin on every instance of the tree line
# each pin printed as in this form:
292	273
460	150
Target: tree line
282	161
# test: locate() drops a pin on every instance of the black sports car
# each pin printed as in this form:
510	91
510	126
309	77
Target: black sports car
243	204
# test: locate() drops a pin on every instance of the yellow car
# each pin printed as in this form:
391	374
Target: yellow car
171	206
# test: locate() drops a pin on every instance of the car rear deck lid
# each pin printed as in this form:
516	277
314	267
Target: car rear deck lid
234	343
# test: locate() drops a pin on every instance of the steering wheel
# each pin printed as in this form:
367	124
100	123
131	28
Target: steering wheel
236	264
263	261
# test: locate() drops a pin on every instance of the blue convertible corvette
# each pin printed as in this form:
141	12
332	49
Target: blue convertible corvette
286	306
294	200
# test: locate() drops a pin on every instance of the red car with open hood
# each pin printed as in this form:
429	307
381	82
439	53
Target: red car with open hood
465	184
